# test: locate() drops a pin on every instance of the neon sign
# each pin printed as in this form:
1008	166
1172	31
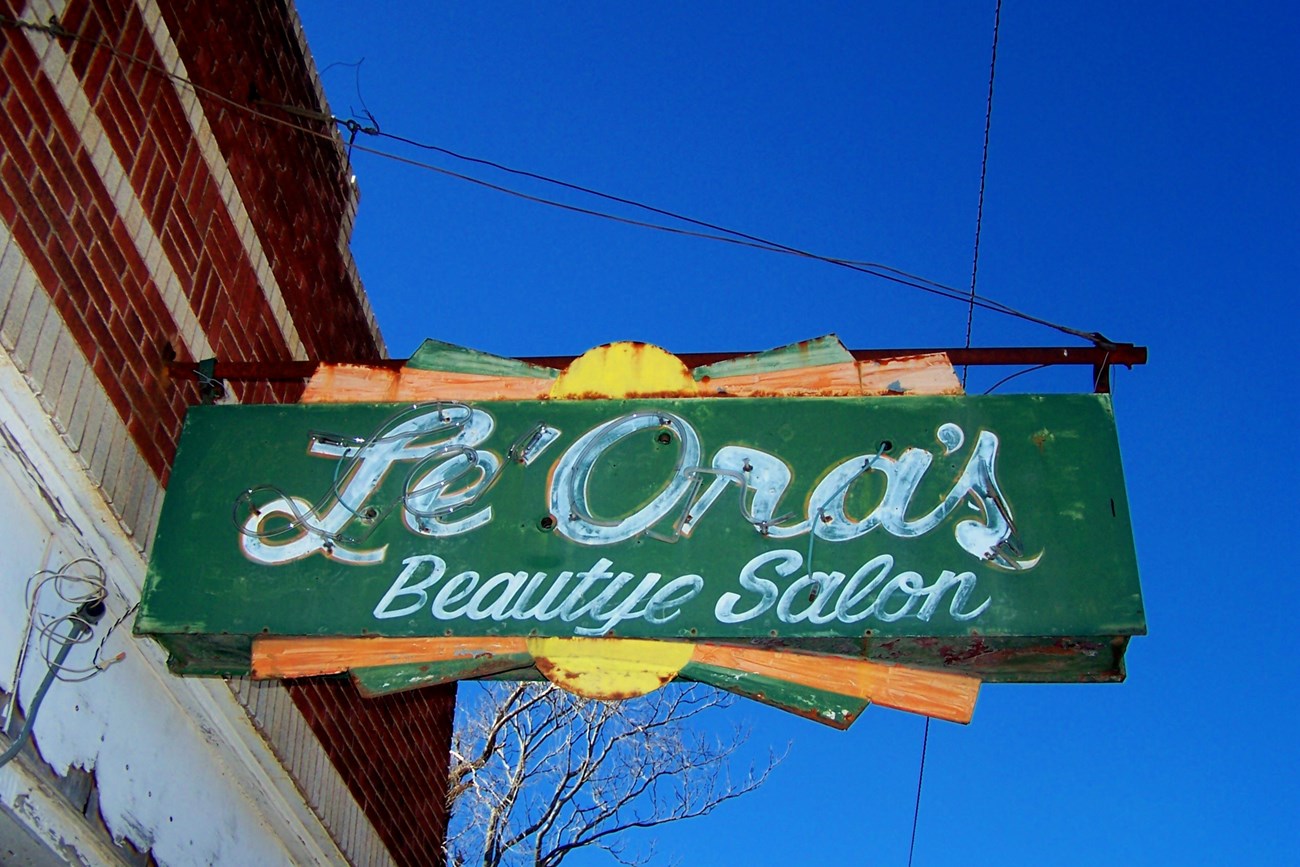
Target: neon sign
949	531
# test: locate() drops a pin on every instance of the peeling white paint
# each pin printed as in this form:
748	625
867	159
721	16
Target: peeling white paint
163	784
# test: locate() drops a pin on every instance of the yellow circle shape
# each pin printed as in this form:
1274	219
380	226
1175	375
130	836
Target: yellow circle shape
616	668
625	369
609	668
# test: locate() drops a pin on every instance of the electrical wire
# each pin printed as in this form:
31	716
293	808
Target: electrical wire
984	170
1004	380
112	660
1101	371
920	776
80	582
883	272
82	621
970	321
727	235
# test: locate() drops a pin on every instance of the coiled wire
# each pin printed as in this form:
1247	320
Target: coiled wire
79	583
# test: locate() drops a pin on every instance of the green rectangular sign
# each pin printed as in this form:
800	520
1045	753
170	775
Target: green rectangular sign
989	534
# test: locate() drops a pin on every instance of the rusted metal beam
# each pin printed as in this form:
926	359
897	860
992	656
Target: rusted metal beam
1009	356
1101	358
268	371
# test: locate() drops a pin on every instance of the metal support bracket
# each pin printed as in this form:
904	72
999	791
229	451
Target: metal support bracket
211	389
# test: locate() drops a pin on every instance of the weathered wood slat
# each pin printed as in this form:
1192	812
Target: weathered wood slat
917	374
350	383
387	679
828	708
306	657
920	374
826	380
449	358
932	693
818	352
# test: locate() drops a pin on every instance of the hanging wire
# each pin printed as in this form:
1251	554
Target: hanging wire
1101	371
80	583
920	776
873	269
79	590
79	632
103	664
726	235
75	634
1004	380
355	66
970	320
984	170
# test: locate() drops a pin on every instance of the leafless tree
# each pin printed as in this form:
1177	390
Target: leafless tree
538	773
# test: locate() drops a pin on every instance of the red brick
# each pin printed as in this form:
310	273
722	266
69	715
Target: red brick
60	257
16	128
15	61
106	372
43	199
134	327
136	75
32	247
135	40
85	269
152	182
92	181
292	186
192	173
8	207
52	105
15	183
55	175
93	67
110	264
137	169
16	159
125	117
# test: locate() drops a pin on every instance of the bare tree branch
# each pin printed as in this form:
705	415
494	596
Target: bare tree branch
539	773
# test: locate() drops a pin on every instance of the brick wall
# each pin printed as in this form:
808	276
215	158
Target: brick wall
142	221
297	186
395	760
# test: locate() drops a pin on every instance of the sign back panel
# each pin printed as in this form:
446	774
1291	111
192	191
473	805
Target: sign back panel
987	534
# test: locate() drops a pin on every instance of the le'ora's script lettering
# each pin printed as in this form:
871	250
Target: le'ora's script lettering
449	474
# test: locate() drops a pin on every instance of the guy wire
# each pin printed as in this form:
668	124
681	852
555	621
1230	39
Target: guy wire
984	168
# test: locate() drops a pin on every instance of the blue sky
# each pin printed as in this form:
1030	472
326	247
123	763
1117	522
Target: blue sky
1142	182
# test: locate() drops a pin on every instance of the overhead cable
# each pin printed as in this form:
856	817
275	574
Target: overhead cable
920	778
984	170
883	272
726	235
